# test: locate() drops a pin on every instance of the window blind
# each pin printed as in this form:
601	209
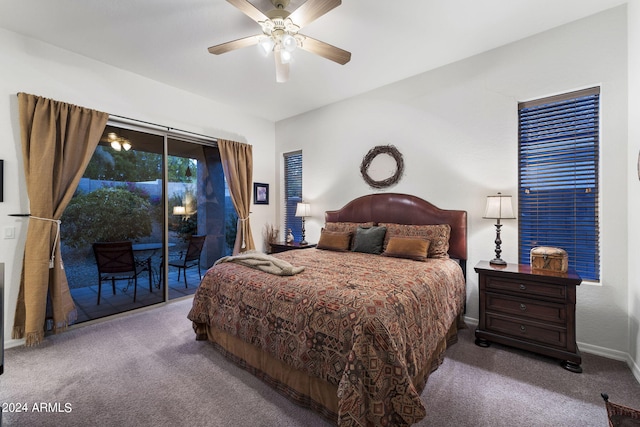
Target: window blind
292	194
558	178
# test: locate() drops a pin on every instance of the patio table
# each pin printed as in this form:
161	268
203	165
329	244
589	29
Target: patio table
141	260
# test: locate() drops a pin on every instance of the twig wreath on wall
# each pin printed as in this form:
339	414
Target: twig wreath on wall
376	151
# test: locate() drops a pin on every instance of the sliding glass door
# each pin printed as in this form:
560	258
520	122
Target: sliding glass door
159	193
201	217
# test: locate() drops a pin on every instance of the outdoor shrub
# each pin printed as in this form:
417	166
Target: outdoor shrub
106	215
230	230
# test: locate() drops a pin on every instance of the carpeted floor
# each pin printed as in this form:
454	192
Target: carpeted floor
146	369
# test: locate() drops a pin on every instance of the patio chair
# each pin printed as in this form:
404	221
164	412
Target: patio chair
115	261
190	258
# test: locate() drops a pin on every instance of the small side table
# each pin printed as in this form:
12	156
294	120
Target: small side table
533	310
284	246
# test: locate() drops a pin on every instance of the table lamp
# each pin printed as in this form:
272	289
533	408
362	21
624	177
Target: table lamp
498	207
303	210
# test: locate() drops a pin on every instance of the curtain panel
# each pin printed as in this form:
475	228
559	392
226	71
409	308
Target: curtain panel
237	163
58	141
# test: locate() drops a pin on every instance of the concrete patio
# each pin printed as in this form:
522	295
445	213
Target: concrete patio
86	298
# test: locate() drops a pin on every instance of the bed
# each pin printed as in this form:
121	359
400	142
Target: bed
355	335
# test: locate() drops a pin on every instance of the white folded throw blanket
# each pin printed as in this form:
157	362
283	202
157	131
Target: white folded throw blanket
263	262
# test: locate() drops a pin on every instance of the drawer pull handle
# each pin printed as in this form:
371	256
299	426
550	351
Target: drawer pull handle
523	287
523	329
523	307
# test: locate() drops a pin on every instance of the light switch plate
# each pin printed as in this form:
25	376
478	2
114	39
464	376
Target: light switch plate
9	232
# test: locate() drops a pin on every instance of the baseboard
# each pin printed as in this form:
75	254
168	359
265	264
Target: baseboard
591	349
471	322
635	369
612	354
604	352
13	343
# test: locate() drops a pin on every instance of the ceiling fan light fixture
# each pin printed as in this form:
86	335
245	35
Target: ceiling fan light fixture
118	142
266	45
285	56
116	145
289	43
280	33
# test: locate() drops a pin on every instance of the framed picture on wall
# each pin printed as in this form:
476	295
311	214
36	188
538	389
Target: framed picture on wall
260	193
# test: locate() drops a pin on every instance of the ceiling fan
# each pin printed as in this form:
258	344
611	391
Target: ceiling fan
280	33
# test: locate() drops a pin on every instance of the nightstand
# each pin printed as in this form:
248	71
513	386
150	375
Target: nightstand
533	310
284	246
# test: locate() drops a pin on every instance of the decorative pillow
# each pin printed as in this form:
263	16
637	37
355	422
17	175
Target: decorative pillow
437	235
407	247
347	227
334	240
369	240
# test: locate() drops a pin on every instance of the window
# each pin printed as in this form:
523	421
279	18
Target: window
292	193
558	178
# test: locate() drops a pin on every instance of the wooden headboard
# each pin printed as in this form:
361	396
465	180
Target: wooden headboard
406	209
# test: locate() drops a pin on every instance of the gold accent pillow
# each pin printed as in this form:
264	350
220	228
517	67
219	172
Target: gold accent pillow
407	247
334	240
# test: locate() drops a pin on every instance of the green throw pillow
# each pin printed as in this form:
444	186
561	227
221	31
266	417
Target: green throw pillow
369	240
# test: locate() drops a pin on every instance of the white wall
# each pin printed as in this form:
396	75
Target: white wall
34	67
457	129
633	163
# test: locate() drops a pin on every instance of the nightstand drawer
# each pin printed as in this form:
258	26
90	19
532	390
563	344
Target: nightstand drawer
526	287
526	308
526	330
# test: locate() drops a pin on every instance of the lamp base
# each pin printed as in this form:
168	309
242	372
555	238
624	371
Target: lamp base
303	242
497	260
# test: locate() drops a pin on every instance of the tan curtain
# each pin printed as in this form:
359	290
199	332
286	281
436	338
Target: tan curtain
58	141
237	163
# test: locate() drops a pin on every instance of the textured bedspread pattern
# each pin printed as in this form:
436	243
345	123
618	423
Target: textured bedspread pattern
365	323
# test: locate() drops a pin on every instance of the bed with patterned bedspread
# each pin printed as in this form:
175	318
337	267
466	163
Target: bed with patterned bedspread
364	329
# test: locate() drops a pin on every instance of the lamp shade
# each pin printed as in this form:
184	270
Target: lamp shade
266	45
115	144
303	209
289	43
499	207
179	210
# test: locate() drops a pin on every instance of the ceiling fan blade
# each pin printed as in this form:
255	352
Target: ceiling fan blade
312	10
326	50
236	44
248	9
282	70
